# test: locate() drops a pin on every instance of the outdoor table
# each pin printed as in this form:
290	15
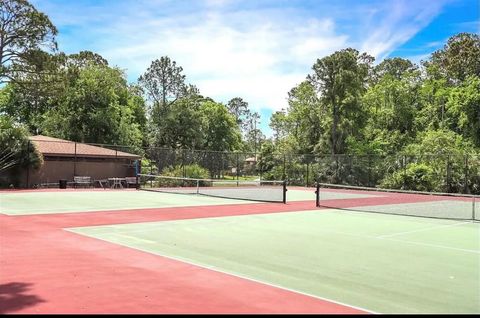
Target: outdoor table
116	182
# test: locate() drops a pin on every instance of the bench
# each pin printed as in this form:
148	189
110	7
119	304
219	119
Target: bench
85	181
131	181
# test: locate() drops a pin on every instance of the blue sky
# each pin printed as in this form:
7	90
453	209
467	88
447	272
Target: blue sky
254	49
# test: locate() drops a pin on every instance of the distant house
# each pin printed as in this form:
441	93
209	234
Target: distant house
251	161
250	165
65	159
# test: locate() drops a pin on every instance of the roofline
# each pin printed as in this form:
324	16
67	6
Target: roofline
72	155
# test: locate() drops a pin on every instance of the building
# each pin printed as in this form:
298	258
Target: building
65	159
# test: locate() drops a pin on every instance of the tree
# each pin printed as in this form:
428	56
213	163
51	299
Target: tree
97	107
247	121
181	126
458	59
391	106
42	89
35	92
24	33
16	151
239	109
395	67
463	109
340	81
439	163
220	130
307	117
279	125
164	83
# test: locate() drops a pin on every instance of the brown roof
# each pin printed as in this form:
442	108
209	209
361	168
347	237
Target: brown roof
60	147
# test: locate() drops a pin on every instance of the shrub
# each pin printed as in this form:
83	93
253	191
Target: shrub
417	177
188	171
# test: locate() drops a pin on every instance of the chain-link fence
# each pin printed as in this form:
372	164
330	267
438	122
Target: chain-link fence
65	160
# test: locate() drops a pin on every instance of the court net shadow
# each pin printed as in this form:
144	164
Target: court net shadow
14	296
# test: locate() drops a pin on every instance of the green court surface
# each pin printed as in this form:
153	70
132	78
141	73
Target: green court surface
380	263
23	203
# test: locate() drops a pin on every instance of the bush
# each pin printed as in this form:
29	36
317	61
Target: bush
148	167
417	177
189	171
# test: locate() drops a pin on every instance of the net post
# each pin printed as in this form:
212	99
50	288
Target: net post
317	194
198	186
137	169
473	208
284	184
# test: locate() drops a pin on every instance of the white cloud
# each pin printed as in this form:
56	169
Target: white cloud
397	22
225	58
229	48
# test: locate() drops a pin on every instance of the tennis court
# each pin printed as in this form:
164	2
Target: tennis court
131	251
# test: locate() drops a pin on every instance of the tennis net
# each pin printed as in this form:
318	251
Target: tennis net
253	190
400	202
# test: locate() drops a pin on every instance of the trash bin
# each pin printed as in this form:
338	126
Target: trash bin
62	183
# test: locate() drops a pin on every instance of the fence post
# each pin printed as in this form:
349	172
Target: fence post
307	174
151	174
28	164
336	169
183	163
369	181
75	160
284	167
449	188
238	168
465	182
404	164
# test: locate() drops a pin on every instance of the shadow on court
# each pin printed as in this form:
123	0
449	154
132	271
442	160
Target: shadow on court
14	297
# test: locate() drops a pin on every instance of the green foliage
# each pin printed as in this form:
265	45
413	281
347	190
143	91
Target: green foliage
435	162
393	67
148	167
188	171
163	82
239	109
463	109
340	80
416	176
439	142
458	59
180	126
97	107
24	33
219	128
266	160
16	150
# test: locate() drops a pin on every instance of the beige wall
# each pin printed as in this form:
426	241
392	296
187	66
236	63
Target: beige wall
54	170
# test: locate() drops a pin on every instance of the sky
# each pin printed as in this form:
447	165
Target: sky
254	49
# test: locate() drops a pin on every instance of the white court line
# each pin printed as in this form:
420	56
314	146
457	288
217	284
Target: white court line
212	268
433	245
423	229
